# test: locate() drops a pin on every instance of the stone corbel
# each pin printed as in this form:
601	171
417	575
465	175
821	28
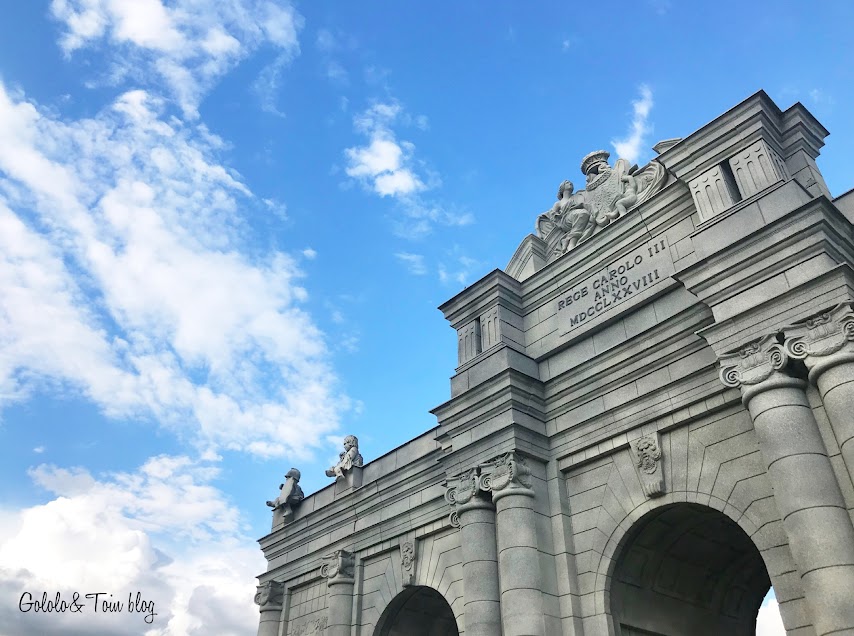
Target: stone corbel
647	454
341	567
823	341
407	561
270	595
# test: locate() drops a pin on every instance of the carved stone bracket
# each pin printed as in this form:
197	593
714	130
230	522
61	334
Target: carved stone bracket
270	595
341	567
648	456
823	341
407	562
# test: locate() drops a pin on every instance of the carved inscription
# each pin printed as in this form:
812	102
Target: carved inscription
619	281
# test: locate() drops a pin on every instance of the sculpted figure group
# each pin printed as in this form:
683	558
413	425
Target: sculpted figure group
290	494
610	193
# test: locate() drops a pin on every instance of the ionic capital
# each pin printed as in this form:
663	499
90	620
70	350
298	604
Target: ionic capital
340	567
757	367
823	341
507	475
270	595
465	493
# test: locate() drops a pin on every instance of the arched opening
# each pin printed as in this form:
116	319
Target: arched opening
417	611
686	569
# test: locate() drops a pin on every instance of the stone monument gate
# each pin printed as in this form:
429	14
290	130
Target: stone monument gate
651	423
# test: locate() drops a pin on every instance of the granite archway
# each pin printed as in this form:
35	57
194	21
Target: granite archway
417	611
686	568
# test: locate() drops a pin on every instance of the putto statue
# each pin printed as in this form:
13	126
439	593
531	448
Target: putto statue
610	193
346	460
290	494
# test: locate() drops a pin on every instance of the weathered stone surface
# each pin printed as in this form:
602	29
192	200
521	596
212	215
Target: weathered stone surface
649	469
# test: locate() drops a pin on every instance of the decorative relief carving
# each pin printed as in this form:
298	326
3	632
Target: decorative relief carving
818	338
753	363
508	471
610	192
407	562
314	626
348	459
756	168
713	192
270	595
341	567
469	341
647	450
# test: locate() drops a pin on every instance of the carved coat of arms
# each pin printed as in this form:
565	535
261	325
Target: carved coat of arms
610	192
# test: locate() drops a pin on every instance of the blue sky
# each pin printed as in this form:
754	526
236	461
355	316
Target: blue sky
225	227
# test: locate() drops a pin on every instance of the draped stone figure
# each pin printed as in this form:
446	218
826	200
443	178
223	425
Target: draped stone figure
609	194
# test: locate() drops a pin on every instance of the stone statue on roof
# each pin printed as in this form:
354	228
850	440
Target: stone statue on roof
290	494
348	459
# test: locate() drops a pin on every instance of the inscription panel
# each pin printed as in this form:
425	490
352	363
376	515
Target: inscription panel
623	279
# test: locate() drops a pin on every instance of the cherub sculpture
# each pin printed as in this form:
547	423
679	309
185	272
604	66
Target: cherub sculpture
290	494
346	460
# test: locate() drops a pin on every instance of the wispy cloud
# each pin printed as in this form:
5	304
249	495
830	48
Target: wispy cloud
386	166
413	262
123	278
458	268
185	45
630	147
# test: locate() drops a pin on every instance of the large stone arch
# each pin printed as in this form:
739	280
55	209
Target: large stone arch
417	611
686	568
715	463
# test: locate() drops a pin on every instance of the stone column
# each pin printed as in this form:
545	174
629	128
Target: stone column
826	345
269	598
340	572
519	571
807	494
475	517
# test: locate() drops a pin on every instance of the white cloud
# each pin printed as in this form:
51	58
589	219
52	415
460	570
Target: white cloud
768	621
461	269
629	148
38	449
387	167
309	253
122	278
188	44
384	165
413	262
116	534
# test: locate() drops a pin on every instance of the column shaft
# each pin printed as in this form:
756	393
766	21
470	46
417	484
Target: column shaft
808	497
520	577
340	599
270	620
480	569
836	386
